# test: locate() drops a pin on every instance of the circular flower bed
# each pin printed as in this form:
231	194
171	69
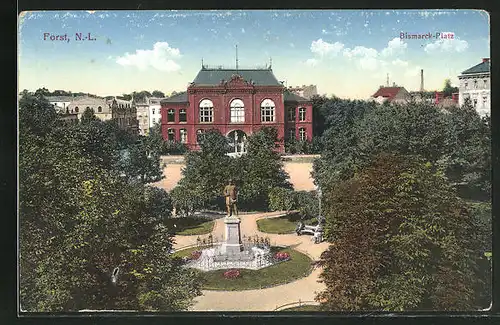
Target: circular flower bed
232	274
282	256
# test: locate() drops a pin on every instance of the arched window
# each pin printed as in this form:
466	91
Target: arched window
76	109
206	111
199	135
171	134
171	115
182	115
267	110
99	109
302	114
237	111
291	114
183	133
302	134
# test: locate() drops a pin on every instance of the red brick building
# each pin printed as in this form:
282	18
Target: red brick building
237	103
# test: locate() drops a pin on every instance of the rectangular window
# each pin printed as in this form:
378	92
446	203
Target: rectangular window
237	114
171	115
183	133
485	99
153	110
171	135
466	84
291	114
291	134
475	84
302	134
475	102
154	120
302	114
485	81
182	115
267	114
206	114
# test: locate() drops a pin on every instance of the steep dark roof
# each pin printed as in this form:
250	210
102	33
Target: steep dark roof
288	96
261	77
483	67
177	98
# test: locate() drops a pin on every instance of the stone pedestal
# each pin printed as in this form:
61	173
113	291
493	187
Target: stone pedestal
232	244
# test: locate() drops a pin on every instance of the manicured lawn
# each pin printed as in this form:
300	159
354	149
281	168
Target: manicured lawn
303	308
282	225
187	251
188	226
297	267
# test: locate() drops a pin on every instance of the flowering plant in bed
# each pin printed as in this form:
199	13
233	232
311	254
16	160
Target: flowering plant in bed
232	274
195	255
282	256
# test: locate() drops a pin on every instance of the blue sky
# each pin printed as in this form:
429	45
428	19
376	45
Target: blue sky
346	53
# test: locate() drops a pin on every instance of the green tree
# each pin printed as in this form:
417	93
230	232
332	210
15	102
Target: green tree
88	116
207	171
390	251
307	203
261	169
448	89
158	94
281	199
79	221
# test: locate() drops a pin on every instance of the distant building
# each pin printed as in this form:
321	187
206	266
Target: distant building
304	91
60	103
143	116
394	94
475	86
154	111
237	102
124	112
443	101
100	106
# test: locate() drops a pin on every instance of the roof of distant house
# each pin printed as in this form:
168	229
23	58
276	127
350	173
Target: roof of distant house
388	92
177	98
483	67
289	96
89	101
259	77
60	98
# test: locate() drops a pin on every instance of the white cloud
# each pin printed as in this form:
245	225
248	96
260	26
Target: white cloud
325	32
360	51
292	45
161	57
394	47
447	45
400	63
243	30
311	62
323	48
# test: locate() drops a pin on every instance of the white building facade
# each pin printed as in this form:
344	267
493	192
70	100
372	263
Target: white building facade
60	103
475	86
154	111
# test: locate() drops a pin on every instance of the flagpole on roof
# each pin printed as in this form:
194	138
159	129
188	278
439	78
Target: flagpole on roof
236	57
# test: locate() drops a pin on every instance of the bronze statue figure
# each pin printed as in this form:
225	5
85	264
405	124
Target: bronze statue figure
231	195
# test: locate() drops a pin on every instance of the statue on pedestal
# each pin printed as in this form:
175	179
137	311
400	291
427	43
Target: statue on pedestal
231	195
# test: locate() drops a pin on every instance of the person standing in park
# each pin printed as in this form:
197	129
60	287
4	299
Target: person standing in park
231	195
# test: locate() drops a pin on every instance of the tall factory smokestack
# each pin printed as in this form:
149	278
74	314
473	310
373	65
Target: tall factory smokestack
422	80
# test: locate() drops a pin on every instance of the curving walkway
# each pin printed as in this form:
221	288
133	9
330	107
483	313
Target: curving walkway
260	299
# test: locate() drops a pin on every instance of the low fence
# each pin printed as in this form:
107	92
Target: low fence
299	303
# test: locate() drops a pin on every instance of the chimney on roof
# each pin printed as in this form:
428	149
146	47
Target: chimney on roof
387	82
422	80
486	59
393	84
